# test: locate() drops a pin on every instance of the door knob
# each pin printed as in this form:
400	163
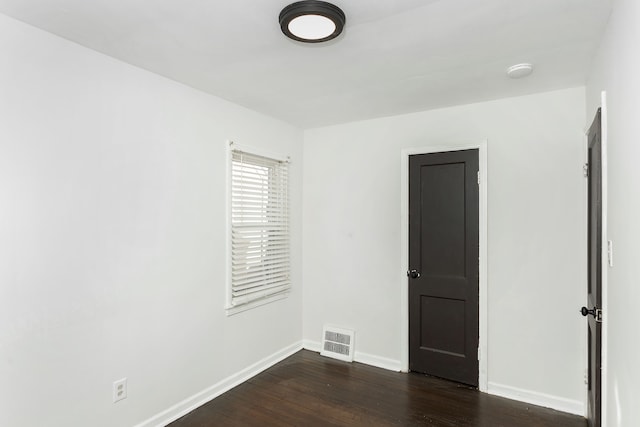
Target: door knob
414	274
585	311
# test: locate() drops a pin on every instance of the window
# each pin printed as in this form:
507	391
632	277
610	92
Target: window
260	255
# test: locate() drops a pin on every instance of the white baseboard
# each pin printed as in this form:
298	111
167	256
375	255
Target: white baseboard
176	411
536	398
377	361
366	358
311	345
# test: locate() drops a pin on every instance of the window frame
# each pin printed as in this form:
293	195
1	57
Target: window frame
230	308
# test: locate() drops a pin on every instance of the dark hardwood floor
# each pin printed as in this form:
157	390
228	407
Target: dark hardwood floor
309	390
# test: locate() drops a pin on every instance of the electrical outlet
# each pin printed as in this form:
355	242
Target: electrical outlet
119	390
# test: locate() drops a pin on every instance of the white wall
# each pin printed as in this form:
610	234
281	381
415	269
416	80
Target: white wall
112	237
617	71
536	226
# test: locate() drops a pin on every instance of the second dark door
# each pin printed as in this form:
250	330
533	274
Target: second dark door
443	265
594	282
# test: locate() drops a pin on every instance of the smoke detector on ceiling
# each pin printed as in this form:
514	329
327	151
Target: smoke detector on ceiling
519	71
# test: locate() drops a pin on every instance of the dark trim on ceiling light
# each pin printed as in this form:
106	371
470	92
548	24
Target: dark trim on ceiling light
312	7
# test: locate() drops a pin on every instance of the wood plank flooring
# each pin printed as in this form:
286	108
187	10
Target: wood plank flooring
309	390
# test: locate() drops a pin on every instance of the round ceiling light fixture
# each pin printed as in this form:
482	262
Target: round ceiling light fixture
519	71
311	21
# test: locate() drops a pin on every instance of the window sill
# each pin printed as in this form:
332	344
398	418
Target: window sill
231	310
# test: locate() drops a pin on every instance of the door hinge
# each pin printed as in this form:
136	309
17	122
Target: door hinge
478	177
585	170
478	353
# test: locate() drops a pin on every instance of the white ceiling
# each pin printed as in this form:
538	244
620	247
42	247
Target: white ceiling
395	56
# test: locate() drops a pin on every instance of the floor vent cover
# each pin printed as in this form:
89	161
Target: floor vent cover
337	343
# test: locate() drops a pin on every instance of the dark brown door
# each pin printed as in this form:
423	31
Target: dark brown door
443	264
594	282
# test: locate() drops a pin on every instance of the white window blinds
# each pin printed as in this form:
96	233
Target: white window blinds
260	257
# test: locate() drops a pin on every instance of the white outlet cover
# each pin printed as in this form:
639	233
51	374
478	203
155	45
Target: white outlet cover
119	390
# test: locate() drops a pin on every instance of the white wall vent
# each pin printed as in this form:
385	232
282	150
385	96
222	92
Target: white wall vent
337	343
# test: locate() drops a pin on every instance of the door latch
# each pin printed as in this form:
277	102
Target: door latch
595	312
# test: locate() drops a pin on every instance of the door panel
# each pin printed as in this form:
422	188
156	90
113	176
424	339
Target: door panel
594	282
443	248
443	187
449	340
